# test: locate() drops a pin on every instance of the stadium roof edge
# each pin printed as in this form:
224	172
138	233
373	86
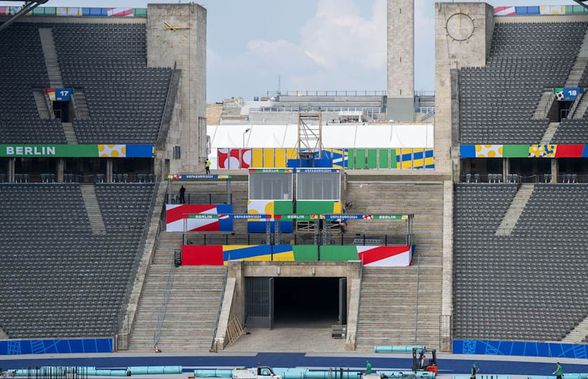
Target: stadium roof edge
541	10
78	12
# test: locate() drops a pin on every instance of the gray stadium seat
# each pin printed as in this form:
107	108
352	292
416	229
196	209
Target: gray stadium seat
58	279
530	285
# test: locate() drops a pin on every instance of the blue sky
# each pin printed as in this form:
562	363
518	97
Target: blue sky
309	44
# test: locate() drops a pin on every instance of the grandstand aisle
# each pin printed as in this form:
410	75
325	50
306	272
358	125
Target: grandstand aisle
401	306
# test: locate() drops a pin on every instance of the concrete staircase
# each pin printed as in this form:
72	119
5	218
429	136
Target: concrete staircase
42	106
81	105
549	133
51	61
401	306
544	105
577	71
580	65
579	334
70	134
581	109
193	308
93	209
515	210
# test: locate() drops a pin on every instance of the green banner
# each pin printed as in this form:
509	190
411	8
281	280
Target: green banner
49	151
516	151
204	216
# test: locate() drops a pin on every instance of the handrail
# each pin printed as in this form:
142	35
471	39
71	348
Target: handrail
124	329
327	93
214	344
169	284
416	317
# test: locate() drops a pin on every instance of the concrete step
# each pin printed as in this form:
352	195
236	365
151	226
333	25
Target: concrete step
81	105
70	134
42	106
93	209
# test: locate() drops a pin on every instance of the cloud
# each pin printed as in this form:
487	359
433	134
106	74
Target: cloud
338	35
338	48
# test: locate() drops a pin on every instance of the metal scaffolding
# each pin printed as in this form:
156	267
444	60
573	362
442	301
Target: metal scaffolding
310	135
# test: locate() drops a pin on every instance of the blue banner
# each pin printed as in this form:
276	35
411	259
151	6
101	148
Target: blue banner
567	94
56	346
198	177
521	348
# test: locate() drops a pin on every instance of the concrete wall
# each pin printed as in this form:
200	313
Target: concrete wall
463	35
238	271
187	50
400	105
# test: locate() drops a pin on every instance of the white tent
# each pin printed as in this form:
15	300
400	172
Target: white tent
334	136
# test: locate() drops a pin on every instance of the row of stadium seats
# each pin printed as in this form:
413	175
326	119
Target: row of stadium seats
497	102
60	280
125	98
19	118
528	285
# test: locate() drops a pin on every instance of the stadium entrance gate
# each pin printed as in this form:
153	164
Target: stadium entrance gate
280	302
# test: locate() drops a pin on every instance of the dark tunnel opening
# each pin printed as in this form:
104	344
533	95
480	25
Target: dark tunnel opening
306	302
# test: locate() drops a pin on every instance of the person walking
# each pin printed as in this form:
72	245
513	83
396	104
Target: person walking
207	166
474	371
558	371
368	368
182	195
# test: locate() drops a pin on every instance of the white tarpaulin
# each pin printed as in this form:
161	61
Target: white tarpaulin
334	136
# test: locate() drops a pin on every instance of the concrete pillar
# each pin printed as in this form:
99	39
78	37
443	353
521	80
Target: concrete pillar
400	46
554	170
109	170
505	169
184	49
463	36
60	169
11	169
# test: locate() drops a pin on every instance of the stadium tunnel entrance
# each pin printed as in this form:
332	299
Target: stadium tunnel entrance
295	302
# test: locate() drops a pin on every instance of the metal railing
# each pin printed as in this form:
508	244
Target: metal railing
199	198
518	179
327	93
214	344
125	328
416	316
424	93
169	285
299	238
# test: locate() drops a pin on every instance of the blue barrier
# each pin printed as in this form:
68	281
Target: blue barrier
305	373
56	346
520	348
154	370
397	349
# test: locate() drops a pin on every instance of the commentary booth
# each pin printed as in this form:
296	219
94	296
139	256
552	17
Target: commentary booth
270	193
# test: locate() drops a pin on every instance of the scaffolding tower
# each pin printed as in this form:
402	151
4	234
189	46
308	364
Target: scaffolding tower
310	135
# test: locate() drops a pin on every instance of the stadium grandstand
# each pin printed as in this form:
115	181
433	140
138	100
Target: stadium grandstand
131	222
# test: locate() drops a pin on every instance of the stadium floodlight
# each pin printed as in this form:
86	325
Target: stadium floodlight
583	3
26	8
